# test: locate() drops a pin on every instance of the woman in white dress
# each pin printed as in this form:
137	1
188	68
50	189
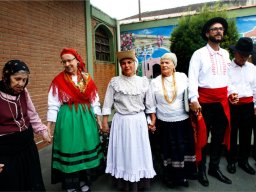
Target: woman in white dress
129	158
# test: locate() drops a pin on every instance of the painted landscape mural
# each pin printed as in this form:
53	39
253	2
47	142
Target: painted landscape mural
151	43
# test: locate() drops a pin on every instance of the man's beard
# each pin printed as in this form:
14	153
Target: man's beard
214	40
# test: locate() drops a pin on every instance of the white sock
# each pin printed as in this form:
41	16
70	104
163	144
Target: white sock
83	186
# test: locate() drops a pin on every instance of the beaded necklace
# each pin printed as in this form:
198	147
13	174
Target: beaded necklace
21	124
173	90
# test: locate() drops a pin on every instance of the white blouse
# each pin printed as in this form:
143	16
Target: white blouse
126	94
156	102
54	104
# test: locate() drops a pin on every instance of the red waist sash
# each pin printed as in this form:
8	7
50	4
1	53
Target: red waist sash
209	95
245	100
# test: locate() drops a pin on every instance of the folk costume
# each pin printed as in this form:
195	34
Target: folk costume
210	88
18	123
72	103
129	154
173	129
208	85
243	80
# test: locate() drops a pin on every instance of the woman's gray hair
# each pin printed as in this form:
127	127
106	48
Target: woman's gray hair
170	56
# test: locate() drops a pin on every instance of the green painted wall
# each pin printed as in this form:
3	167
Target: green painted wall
103	17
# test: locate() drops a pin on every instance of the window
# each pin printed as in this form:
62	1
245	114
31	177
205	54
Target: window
102	45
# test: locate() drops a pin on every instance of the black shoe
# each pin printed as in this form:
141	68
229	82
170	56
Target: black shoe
170	184
218	175
231	168
202	178
183	183
247	168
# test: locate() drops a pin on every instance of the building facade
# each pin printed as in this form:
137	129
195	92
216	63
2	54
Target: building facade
37	31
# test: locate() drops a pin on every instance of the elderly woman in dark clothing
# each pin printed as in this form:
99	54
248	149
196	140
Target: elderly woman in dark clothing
165	100
19	160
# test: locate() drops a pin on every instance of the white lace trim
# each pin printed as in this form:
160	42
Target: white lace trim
134	85
133	176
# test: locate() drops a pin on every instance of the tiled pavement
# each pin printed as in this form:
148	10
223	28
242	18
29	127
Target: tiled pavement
241	181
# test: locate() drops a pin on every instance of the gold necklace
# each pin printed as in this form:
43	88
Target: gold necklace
22	124
173	90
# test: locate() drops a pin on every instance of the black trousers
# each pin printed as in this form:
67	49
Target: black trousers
242	117
216	123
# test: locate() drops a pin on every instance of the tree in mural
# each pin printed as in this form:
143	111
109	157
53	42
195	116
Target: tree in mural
186	37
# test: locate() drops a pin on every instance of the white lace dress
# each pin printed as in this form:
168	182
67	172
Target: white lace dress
129	154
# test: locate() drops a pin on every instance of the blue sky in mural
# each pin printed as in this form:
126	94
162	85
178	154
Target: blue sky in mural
156	54
245	24
159	52
163	30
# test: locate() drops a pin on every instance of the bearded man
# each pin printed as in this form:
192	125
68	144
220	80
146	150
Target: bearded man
208	95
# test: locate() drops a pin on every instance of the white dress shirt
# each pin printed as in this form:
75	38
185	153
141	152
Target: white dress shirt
207	69
242	79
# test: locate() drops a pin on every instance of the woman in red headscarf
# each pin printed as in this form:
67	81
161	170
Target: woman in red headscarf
73	105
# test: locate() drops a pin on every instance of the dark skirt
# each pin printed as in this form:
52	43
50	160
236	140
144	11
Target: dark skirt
173	150
22	170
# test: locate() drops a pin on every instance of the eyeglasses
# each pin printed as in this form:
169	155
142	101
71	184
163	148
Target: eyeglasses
217	29
67	60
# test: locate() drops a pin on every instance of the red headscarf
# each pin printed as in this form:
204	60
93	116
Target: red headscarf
66	88
72	51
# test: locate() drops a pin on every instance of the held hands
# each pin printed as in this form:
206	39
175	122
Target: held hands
105	127
48	137
195	107
98	119
233	98
151	122
1	167
152	127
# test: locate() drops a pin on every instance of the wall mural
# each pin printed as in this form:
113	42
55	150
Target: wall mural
151	43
